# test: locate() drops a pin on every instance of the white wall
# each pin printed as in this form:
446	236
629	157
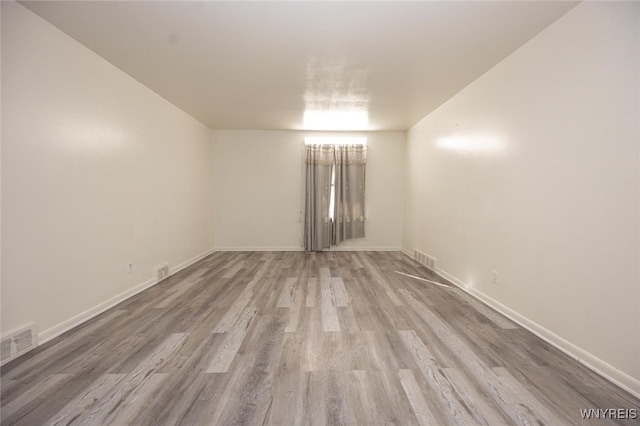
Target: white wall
97	172
258	178
533	171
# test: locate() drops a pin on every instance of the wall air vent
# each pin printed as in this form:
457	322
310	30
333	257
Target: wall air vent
428	261
18	343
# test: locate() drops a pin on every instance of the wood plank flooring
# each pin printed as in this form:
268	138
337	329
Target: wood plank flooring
288	338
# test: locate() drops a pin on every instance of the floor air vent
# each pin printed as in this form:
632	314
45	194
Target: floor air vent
18	343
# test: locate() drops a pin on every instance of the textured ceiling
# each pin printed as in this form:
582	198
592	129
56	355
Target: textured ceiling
262	65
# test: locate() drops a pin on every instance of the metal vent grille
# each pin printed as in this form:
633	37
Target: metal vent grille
18	343
428	261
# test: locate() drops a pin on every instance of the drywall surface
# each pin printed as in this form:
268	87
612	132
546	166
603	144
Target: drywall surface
258	183
533	171
98	172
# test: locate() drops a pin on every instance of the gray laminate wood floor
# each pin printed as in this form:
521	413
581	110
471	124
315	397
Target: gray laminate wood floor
287	338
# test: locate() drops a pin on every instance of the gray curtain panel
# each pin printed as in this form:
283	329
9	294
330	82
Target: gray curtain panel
317	226
349	218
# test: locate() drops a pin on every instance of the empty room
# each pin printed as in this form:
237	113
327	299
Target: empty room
320	212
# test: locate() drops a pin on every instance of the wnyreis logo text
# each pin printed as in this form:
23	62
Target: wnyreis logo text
609	413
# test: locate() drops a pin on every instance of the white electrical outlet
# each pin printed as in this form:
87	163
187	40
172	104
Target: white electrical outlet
495	277
162	272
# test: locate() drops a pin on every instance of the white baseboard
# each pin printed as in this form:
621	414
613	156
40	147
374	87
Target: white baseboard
259	249
407	252
334	248
63	327
347	248
190	262
597	365
585	358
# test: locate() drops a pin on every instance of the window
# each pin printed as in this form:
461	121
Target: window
334	195
334	140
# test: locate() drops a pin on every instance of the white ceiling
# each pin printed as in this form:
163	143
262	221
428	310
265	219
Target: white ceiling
261	65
